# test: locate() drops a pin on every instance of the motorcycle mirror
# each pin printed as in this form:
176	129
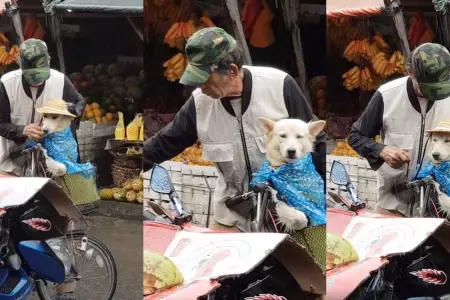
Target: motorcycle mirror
160	180
338	174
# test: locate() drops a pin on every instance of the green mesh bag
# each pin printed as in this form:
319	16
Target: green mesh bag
80	190
313	238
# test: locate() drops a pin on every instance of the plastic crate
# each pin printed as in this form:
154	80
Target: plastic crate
362	176
194	185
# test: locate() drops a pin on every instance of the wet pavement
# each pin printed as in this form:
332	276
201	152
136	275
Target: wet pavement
124	239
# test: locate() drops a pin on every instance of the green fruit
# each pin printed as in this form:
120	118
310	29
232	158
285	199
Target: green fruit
120	91
77	76
108	102
117	81
100	69
89	76
104	80
115	70
89	69
132	81
135	93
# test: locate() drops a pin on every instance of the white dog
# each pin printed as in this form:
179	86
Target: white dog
439	152
52	124
289	140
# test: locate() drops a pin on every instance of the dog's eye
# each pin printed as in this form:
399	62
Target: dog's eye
434	140
54	117
283	136
447	141
299	136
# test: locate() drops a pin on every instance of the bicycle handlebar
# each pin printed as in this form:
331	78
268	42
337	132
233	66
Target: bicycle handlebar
256	189
34	148
419	182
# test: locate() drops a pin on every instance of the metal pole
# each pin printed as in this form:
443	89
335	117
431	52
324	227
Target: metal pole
233	8
394	9
12	10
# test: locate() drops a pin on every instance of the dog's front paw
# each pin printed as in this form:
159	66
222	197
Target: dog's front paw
290	218
55	168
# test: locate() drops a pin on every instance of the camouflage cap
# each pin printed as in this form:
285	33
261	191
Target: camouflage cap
204	50
34	61
431	66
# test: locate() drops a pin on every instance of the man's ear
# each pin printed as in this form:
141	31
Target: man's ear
316	127
266	124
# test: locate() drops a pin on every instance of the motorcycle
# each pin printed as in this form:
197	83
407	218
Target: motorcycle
287	273
399	258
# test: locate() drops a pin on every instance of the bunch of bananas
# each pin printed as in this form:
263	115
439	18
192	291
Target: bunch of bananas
8	57
181	31
159	17
358	50
175	67
385	66
352	78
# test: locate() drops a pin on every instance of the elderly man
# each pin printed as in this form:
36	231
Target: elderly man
403	110
24	90
222	113
21	93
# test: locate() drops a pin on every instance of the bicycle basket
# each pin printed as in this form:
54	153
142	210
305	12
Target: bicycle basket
313	238
38	220
79	188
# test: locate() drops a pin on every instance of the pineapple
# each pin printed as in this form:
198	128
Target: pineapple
119	194
130	196
133	129
140	197
106	194
127	186
120	128
137	185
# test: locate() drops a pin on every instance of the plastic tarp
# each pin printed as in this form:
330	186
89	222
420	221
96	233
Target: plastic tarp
102	6
353	8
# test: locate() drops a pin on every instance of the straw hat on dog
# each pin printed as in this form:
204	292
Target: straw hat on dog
442	127
55	107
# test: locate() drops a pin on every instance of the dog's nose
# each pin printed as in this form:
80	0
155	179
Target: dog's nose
291	153
45	131
436	156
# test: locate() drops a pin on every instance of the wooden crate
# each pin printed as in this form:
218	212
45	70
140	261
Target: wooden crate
194	185
363	177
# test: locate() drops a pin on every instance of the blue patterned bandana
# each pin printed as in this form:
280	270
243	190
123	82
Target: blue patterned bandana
62	147
440	173
300	185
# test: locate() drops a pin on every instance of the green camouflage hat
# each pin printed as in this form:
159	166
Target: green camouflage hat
204	50
431	65
34	61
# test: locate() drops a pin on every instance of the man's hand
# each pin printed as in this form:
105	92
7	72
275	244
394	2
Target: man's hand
34	132
394	157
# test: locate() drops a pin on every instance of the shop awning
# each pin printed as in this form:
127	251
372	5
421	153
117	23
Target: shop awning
353	8
102	6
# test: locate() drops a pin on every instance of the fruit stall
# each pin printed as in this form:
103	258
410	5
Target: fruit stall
367	45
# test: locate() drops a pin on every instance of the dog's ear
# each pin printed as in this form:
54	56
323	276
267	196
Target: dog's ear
316	127
266	124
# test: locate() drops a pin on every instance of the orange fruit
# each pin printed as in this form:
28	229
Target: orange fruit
98	120
97	112
104	120
87	107
89	114
109	116
95	105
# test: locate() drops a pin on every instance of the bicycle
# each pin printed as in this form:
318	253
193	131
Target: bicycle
77	242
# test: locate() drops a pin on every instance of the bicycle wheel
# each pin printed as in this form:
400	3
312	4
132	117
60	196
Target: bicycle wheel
103	259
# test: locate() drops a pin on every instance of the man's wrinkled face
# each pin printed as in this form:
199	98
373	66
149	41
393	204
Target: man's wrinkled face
217	86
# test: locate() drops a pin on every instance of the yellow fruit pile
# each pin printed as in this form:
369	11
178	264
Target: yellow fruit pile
373	63
192	156
175	67
131	191
8	57
386	66
93	113
180	32
344	149
341	31
363	78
